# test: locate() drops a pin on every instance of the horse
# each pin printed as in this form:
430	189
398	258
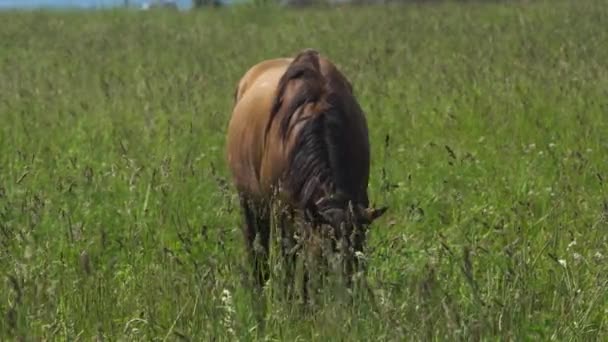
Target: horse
297	136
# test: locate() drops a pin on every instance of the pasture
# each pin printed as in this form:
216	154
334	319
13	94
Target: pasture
489	139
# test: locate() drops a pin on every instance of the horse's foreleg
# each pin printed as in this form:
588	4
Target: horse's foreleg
289	250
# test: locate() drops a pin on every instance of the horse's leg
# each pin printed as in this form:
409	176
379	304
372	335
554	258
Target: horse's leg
256	233
305	280
263	237
311	268
288	250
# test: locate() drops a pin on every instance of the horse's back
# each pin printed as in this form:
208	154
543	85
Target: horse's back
264	74
253	101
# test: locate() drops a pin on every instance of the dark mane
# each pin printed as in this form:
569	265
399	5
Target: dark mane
305	69
313	162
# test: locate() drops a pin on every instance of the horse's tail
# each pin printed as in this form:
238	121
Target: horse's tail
304	68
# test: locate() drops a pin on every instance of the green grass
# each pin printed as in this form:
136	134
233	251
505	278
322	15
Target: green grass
489	128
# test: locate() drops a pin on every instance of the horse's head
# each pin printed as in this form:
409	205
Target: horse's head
348	223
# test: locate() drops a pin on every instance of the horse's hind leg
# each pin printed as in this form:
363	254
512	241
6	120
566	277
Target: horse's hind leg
256	231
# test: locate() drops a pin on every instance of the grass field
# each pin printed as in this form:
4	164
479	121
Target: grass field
489	128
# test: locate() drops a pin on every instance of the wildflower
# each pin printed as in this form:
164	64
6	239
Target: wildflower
228	306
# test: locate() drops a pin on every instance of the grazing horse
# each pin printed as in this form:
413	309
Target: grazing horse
298	136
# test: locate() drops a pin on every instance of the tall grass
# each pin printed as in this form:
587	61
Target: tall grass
489	137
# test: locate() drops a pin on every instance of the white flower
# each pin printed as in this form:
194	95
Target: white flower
599	255
228	306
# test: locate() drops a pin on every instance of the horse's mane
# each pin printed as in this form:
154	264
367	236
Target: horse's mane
305	68
313	161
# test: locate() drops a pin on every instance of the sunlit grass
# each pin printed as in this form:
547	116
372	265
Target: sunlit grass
489	143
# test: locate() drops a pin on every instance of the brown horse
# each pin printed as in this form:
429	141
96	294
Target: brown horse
298	135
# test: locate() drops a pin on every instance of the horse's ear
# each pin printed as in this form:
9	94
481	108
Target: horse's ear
369	215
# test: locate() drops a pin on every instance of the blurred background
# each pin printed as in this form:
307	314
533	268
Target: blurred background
91	4
170	4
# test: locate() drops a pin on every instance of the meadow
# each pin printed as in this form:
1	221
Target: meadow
489	133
